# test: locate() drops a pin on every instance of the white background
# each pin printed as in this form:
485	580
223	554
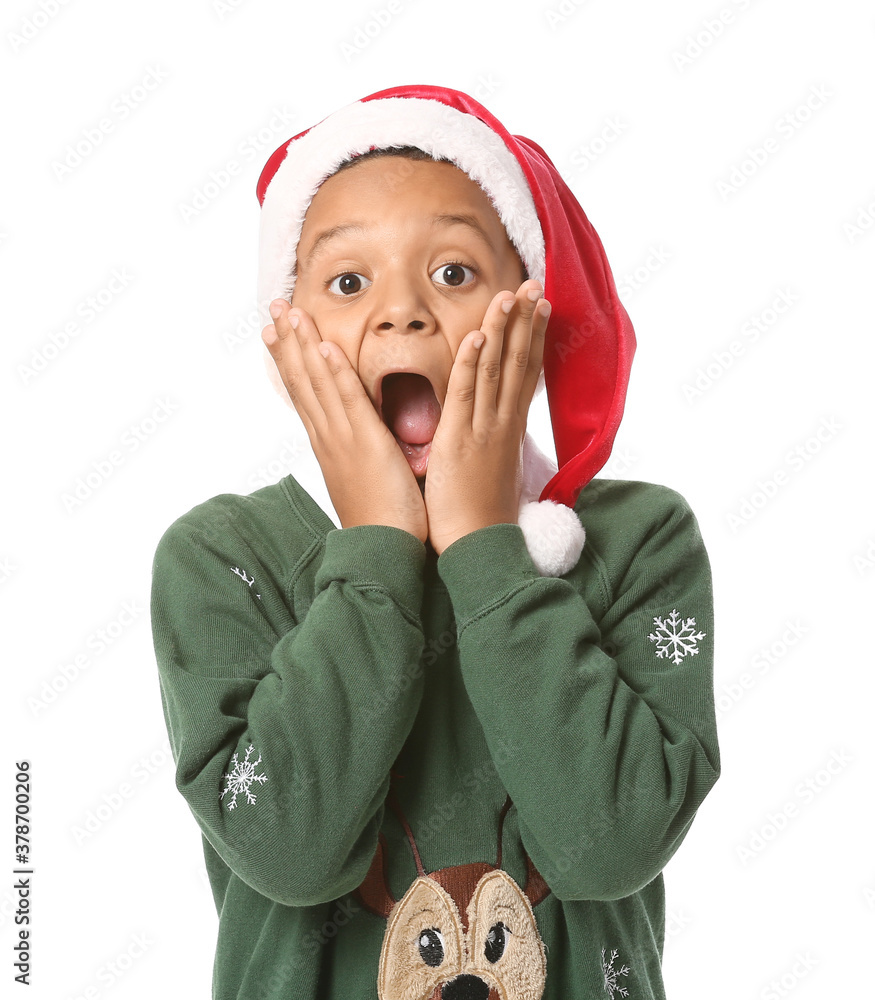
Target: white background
657	119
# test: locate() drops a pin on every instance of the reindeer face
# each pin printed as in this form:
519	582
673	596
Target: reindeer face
462	933
430	953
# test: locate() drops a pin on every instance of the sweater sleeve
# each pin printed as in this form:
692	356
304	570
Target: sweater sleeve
284	730
594	690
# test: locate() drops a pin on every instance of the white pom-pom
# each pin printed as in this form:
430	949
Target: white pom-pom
554	536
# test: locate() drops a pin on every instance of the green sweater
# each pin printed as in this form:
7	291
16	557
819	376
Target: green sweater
305	669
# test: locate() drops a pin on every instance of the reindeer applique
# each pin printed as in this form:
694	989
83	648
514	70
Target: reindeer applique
461	933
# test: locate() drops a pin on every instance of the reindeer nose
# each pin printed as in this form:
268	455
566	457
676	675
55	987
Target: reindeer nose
465	988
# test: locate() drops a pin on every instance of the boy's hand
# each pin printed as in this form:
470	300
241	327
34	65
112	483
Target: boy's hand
368	478
474	472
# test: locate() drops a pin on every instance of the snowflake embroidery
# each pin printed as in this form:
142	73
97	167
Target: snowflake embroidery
675	638
246	579
241	777
611	974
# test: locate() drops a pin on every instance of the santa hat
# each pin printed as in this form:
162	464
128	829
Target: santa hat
589	342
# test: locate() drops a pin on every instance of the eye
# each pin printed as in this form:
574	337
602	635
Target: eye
348	284
496	942
431	947
454	275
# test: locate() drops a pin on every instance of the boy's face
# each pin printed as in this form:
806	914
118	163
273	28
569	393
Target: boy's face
398	260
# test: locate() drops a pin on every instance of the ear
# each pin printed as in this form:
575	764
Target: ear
504	944
374	891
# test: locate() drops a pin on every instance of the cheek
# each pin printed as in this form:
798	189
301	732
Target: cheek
341	328
331	324
471	317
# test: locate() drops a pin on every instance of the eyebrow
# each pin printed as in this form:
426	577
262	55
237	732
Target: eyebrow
329	234
465	220
358	229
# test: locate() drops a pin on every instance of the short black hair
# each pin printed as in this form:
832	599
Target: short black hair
410	152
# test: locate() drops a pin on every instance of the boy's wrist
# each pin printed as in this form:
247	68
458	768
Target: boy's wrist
449	537
376	555
483	565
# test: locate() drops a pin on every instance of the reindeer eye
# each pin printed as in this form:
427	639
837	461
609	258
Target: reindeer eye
496	942
431	947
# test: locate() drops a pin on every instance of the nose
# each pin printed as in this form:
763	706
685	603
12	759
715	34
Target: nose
400	305
465	988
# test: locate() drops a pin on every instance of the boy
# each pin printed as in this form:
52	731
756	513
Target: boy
442	744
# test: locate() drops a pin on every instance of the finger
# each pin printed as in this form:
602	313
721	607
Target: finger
488	373
336	384
536	353
278	338
349	395
458	409
271	341
323	361
285	349
517	346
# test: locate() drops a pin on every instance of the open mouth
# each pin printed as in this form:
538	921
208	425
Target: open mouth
410	410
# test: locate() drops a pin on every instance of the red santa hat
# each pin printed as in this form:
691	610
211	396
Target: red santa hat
589	342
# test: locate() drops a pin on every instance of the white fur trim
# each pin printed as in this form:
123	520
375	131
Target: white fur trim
435	128
554	536
553	532
538	470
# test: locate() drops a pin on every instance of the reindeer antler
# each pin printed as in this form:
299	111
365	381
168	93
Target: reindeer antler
392	799
377	897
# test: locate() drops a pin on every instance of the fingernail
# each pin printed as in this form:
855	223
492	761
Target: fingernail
293	319
269	335
507	305
324	349
545	308
275	310
534	294
478	343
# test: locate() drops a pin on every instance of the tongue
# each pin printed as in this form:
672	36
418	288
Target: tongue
410	407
